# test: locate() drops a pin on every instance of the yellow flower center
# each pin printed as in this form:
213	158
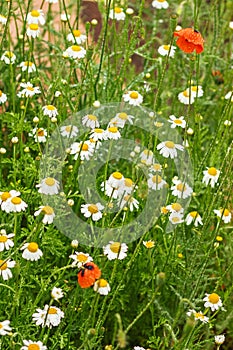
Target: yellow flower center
150	244
16	200
170	144
176	206
147	152
158	124
3	266
30	88
117	10
50	107
47	210
93	209
50	181
225	212
1	326
76	33
213	298
52	311
134	95
84	147
9	54
123	116
181	187
3	239
219	238
40	132
115	247
156	179
212	171
5	196
32	247
157	167
35	13
161	0
166	47
92	117
128	182
34	26
98	131
117	175
76	48
194	214
164	210
176	219
28	63
186	93
68	128
102	283
33	347
199	315
113	129
177	121
82	258
0	93
194	88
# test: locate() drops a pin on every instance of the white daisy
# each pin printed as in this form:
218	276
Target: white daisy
117	13
5	240
48	213
126	187
212	301
33	30
133	97
39	134
90	121
169	149
116	179
115	250
160	4
175	208
196	90
98	134
156	168
211	176
147	157
50	111
50	316
28	66
224	214
176	218
57	293
177	122
128	201
112	192
49	186
120	120
14	205
75	52
69	131
5	327
198	315
164	49
4	196
31	251
3	97
76	37
181	189
64	17
102	287
28	90
185	97
8	57
195	217
113	133
139	348
92	210
155	182
229	95
84	150
80	259
3	19
32	345
5	271
36	17
219	339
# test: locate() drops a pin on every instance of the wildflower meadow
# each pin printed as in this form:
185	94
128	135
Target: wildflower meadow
116	175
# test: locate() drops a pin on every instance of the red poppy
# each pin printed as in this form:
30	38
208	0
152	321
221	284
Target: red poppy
88	275
189	40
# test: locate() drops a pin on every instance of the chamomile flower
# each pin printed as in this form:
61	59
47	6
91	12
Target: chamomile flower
198	315
113	133
229	95
211	176
84	150
127	186
102	287
49	186
115	250
139	348
147	157
92	210
64	17
48	213
75	52
98	134
8	57
76	37
186	97
50	111
163	50
194	217
3	97
50	316
28	90
121	119
149	244
219	339
155	182
33	30
32	345
176	218
116	179
80	258
180	122
5	327
133	97
169	149
175	208
5	271
3	19
5	240
90	121
31	251
128	201
112	192
196	90
28	66
36	17
224	214
4	196
160	4
181	189
155	168
39	134
69	131
213	301
117	13
57	293
14	205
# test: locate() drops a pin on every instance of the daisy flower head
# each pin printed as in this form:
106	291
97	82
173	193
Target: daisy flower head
102	287
149	244
75	52
32	345
147	157
48	213
156	168
120	120
8	57
181	189
5	266
57	293
69	131
76	37
113	133
229	95
177	122
4	196
3	19
155	182
160	4
33	30
50	111
84	150
49	186
133	97
211	176
224	214
5	240
28	66
64	17
116	179
163	50
115	250
14	205
117	13
50	316
28	90
39	134
186	97
196	90
128	201
31	251
5	327
92	210
127	186
176	218
219	339
198	315
189	40
112	192
91	121
213	301
169	149
36	17
194	217
139	348
98	134
80	258
3	97
175	208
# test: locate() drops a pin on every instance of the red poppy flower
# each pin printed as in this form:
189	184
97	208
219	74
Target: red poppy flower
189	40
88	275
